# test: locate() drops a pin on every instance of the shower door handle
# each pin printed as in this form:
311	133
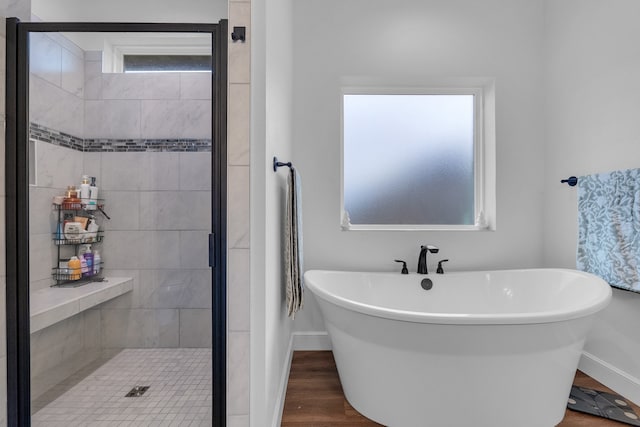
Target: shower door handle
212	250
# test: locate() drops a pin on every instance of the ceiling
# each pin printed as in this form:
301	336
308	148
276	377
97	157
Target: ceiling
161	11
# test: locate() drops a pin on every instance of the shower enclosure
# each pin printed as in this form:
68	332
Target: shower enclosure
81	100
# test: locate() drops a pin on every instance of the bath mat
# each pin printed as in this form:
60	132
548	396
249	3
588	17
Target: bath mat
602	404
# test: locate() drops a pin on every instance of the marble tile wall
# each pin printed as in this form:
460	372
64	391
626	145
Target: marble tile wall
239	236
160	205
145	105
60	350
57	73
55	101
57	168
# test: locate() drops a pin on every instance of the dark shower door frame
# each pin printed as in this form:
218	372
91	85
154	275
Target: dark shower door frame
17	202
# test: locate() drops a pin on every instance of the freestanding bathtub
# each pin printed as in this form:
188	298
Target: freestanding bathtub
482	349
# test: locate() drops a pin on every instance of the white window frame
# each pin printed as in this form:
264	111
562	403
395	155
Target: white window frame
483	91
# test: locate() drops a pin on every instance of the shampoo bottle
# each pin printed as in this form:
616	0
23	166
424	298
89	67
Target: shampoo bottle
93	195
97	260
92	230
84	190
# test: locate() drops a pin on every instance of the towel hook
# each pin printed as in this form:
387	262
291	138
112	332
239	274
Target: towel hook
277	164
239	34
572	181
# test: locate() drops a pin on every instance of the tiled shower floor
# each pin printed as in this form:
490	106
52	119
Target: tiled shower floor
179	394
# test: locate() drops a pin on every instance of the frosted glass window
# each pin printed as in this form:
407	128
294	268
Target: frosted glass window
165	63
409	159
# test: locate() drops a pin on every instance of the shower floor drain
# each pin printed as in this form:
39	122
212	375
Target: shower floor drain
137	391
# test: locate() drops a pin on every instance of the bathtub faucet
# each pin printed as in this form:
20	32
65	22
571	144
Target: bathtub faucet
422	258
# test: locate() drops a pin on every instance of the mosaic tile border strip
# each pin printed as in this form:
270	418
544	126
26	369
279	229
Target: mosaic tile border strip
44	134
113	145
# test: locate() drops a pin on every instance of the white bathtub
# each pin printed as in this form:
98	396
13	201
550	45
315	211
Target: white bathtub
482	349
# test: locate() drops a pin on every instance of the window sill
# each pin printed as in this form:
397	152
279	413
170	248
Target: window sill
397	227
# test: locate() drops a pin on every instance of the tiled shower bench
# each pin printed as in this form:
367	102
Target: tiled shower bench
52	305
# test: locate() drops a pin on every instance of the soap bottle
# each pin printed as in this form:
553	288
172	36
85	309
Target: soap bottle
75	268
93	195
92	230
88	257
83	266
84	190
97	260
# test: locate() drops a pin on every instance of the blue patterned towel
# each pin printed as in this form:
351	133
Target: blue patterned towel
609	227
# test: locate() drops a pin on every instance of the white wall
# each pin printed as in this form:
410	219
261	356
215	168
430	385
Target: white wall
271	136
128	11
279	105
398	41
592	112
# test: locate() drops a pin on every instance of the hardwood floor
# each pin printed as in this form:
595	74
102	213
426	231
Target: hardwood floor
314	394
315	398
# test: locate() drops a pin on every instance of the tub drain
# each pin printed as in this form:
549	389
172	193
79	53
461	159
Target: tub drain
137	391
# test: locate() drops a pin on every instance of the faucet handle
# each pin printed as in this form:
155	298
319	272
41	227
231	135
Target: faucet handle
440	270
430	248
404	266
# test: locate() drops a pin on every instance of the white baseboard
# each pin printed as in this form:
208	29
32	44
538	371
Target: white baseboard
617	380
311	341
282	388
304	341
